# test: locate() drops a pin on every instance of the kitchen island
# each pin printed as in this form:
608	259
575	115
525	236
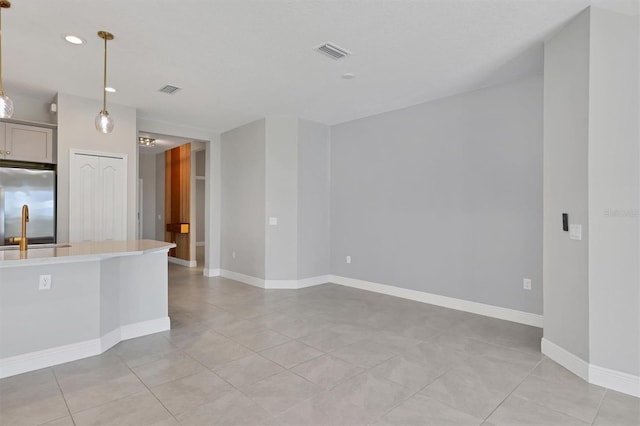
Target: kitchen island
99	294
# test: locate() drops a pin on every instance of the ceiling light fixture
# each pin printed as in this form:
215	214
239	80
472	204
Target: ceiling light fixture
110	90
73	39
146	141
6	104
104	123
348	76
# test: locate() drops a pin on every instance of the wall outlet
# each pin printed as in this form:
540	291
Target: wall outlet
45	282
273	221
233	254
526	284
575	232
348	259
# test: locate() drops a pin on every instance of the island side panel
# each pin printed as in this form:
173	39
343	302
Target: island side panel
34	320
144	302
110	301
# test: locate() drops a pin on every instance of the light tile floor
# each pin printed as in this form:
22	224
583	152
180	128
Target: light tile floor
325	355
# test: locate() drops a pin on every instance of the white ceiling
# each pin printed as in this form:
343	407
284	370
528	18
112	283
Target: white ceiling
241	60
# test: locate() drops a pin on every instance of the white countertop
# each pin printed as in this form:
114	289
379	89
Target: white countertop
79	252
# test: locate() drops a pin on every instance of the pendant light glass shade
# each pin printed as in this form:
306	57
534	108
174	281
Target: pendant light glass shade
104	122
6	104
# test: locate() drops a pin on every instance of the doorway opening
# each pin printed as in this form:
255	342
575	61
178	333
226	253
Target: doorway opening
172	180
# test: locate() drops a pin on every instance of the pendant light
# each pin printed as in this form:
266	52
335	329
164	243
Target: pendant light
104	122
6	104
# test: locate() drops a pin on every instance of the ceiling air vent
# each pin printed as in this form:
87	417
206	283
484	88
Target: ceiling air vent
332	51
169	89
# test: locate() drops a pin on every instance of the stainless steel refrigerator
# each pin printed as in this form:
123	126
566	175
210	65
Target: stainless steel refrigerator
33	184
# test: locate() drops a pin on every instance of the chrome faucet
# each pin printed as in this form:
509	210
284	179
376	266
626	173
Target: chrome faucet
23	238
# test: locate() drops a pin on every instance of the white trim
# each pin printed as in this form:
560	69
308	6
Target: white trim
313	281
281	284
275	284
144	328
199	243
571	362
601	376
110	339
46	358
247	279
182	262
616	380
521	317
210	272
31	361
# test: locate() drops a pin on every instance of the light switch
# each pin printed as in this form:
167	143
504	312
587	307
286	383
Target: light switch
273	221
575	232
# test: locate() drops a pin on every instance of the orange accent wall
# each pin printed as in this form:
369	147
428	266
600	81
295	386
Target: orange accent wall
177	199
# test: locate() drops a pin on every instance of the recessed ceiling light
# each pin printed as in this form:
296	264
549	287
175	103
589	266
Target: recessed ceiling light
348	76
73	39
110	90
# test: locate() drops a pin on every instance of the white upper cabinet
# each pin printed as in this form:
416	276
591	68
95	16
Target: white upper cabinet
20	142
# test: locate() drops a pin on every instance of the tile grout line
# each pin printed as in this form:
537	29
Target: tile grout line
599	406
513	390
151	392
417	392
64	398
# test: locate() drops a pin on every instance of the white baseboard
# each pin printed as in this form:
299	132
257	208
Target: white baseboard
571	362
275	284
31	361
444	301
144	328
247	279
209	272
110	339
281	284
182	262
601	376
616	380
312	281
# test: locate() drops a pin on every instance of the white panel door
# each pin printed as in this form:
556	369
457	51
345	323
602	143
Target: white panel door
98	198
113	199
84	208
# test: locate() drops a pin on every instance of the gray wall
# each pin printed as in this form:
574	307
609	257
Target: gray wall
30	109
243	199
147	172
566	115
614	192
76	130
281	197
313	199
444	197
200	194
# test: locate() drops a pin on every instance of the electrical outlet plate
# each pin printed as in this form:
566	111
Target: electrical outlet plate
45	282
526	284
348	259
233	254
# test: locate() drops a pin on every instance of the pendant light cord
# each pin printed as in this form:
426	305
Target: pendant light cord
1	89
104	88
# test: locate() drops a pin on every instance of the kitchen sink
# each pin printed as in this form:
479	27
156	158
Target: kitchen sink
35	246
